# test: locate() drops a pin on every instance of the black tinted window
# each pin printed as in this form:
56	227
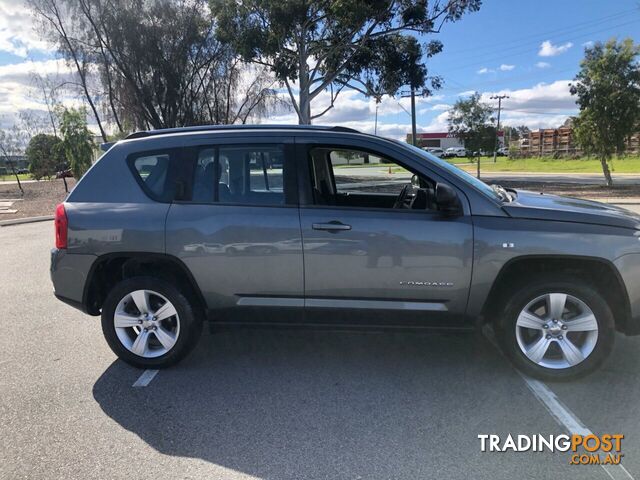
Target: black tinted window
243	175
153	171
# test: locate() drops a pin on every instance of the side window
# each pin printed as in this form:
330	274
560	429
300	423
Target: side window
152	170
241	175
357	178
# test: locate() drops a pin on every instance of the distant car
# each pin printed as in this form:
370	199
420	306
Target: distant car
64	173
438	152
455	152
22	171
503	152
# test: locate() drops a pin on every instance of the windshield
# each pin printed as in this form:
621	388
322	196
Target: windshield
458	172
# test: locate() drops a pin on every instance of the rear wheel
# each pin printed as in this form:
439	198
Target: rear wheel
149	323
556	328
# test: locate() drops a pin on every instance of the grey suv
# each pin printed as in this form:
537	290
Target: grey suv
315	225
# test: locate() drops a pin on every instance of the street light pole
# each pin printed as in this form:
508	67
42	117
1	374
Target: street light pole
495	146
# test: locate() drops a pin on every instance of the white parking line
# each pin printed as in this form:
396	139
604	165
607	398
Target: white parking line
566	418
145	378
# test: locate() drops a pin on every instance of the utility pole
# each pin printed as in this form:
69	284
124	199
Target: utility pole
375	128
495	146
414	132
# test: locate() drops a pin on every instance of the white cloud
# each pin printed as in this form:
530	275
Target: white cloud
545	105
543	65
506	68
17	91
440	107
17	35
588	44
484	70
548	49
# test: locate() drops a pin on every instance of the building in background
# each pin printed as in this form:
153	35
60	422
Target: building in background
20	163
444	140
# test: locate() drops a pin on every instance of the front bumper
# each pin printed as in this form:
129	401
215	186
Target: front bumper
629	268
69	275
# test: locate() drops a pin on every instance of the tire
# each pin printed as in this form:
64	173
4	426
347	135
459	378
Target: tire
592	333
172	338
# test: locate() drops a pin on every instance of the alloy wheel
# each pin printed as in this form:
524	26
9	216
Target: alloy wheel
557	330
146	323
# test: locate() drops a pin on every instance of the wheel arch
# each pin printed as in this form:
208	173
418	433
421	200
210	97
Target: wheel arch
108	269
602	275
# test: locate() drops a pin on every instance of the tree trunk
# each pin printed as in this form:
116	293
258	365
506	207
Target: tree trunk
304	118
605	170
13	169
304	97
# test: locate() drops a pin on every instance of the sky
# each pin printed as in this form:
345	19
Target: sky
528	50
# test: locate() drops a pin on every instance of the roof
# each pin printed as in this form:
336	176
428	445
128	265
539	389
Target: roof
212	128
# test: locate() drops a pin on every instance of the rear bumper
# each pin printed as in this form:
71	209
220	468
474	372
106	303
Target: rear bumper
69	273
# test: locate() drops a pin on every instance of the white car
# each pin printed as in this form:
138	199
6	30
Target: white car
455	152
438	152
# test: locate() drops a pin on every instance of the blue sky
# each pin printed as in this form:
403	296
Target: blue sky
528	50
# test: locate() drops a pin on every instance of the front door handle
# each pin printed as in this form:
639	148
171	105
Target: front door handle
331	226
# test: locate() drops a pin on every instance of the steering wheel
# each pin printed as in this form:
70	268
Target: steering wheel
401	201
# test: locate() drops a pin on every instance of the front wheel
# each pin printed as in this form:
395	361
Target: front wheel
556	329
149	323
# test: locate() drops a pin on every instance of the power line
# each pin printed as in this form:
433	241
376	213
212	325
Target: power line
527	51
543	35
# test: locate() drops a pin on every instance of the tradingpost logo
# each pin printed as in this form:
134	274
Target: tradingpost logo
583	449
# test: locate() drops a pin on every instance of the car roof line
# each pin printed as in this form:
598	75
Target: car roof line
213	128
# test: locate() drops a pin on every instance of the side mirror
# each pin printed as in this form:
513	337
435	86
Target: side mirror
447	198
415	181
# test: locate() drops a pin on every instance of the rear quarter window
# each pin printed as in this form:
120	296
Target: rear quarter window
154	173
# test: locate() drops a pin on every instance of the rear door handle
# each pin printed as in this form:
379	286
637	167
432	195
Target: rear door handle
331	226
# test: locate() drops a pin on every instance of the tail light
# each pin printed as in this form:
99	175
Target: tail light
61	225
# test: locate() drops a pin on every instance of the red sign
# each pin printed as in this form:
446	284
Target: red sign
438	135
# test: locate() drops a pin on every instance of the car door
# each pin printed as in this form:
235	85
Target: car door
237	228
367	261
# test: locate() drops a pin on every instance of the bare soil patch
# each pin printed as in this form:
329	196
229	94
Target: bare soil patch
40	198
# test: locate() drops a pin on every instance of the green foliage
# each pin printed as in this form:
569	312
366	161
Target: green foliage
608	93
77	140
44	154
332	44
470	119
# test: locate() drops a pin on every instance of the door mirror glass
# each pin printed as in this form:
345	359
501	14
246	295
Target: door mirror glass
447	198
415	181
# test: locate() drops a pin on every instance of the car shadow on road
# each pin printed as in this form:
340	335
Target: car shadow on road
290	404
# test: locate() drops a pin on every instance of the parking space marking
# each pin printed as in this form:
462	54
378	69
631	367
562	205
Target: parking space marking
559	411
566	418
145	378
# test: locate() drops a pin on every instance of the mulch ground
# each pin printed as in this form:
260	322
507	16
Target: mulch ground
40	198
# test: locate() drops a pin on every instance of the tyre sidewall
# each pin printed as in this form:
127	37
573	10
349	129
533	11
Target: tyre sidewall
190	323
506	330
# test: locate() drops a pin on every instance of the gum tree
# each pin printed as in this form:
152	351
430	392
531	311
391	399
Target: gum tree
315	46
608	93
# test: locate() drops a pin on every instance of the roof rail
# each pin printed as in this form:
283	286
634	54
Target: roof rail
205	128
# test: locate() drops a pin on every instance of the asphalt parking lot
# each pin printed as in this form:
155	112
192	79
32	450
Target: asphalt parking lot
277	404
